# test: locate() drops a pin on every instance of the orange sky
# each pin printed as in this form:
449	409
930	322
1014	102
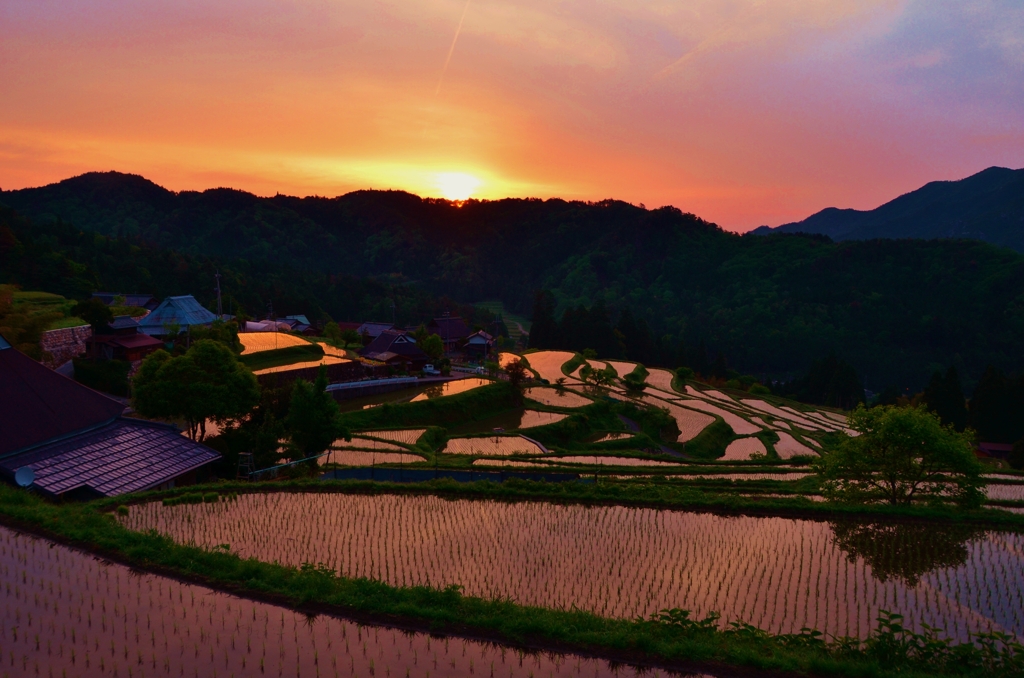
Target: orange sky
745	112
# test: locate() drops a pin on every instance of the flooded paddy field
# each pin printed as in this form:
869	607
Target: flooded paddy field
413	394
66	613
779	574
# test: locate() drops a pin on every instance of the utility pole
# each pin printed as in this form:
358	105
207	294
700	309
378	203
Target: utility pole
220	307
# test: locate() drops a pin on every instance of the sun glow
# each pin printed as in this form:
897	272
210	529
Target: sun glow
456	185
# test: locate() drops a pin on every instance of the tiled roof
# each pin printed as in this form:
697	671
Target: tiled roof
394	341
450	329
122	322
38	404
183	311
374	329
127	455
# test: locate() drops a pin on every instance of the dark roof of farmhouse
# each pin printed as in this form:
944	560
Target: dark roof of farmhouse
394	341
38	404
451	328
125	455
182	311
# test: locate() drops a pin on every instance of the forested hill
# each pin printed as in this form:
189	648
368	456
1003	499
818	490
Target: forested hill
987	206
896	310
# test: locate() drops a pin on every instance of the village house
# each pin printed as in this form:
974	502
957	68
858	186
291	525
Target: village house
452	330
396	348
120	340
69	441
183	312
478	346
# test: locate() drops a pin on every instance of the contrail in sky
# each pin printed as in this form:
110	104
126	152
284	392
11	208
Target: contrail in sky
451	49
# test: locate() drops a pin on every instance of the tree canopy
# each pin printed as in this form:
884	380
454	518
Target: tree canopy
312	421
901	454
205	382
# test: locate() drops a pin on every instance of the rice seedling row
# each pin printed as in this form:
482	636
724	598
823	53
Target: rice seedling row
364	458
776	573
360	443
65	613
408	436
451	388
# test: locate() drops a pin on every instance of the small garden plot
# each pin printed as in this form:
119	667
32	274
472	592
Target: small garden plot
779	574
788	447
359	458
743	448
492	446
451	388
738	424
554	397
257	342
67	613
409	436
690	423
783	413
533	418
608	461
548	364
326	360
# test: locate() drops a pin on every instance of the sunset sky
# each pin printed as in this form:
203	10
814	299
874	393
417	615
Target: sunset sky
745	112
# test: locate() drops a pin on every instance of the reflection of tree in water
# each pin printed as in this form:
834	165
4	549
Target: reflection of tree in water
905	551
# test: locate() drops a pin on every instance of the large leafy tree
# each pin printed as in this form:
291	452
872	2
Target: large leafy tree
312	421
901	455
206	382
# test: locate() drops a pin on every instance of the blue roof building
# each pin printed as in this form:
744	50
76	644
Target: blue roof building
182	311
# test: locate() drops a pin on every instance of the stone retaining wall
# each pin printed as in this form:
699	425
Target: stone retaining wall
65	344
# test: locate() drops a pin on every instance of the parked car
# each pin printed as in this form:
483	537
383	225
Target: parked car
431	370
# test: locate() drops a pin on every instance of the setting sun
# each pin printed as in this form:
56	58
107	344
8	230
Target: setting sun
456	185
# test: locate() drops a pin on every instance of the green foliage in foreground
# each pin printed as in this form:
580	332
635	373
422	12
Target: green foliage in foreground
109	376
668	637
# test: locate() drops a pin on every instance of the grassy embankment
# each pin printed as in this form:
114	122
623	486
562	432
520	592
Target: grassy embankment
672	641
282	356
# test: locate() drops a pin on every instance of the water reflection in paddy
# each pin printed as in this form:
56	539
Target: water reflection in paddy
63	612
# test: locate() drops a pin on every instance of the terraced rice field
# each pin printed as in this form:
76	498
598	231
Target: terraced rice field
66	613
622	368
613	436
548	364
1005	492
492	446
409	436
660	379
509	463
256	342
358	443
738	424
608	461
326	360
690	423
742	448
552	397
451	388
776	573
532	418
359	458
788	447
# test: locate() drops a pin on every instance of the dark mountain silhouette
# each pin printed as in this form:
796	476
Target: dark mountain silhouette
897	310
987	206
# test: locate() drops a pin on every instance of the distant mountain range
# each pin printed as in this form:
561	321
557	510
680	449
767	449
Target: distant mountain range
986	206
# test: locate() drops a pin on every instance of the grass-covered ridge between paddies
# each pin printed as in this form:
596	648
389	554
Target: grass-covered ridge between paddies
670	640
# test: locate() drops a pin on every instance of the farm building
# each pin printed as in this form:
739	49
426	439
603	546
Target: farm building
396	348
182	311
120	340
451	329
76	441
478	345
372	330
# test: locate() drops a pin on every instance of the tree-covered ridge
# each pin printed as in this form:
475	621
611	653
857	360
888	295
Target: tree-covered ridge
895	310
60	258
